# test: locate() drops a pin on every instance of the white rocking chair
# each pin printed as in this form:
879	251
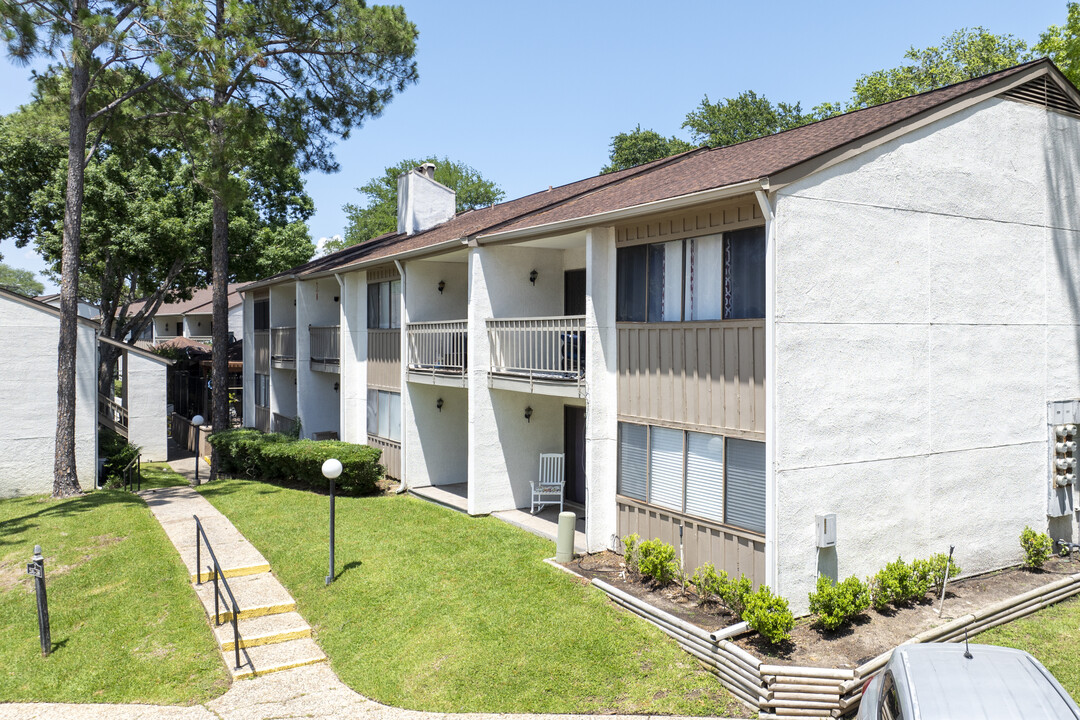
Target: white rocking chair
548	488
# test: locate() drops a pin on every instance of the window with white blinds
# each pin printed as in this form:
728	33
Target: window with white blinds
665	467
703	475
631	464
746	484
384	414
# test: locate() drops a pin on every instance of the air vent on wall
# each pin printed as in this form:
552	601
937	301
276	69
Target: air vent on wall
1044	91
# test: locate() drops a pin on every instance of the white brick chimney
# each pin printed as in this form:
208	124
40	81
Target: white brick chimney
422	202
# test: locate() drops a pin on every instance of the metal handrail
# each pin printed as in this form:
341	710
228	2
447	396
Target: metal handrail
136	465
218	572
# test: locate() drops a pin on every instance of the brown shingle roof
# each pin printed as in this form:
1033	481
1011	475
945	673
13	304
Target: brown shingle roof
690	172
200	302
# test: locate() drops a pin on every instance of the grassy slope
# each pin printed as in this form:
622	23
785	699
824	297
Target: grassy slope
433	610
126	626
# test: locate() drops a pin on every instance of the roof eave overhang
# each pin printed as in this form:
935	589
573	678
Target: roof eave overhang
867	142
259	284
612	217
135	349
435	249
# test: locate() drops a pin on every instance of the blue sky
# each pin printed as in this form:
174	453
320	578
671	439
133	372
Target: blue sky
531	93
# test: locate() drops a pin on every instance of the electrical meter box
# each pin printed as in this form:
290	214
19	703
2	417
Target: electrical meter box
826	530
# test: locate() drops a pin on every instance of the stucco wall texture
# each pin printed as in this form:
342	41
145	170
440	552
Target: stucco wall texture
146	391
926	312
28	399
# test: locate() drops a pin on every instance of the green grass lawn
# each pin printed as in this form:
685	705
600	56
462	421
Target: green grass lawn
434	610
126	626
1051	636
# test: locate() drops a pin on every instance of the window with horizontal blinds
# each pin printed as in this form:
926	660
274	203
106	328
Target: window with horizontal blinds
395	417
630	477
705	476
745	501
373	412
665	467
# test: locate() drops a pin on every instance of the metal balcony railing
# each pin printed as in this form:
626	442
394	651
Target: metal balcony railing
283	344
542	348
438	347
325	346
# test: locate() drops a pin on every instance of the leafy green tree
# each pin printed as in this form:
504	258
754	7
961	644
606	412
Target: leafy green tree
20	281
89	37
966	54
746	116
308	69
638	147
1061	43
379	215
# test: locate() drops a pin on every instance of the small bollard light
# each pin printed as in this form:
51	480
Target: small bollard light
331	470
36	568
564	544
197	421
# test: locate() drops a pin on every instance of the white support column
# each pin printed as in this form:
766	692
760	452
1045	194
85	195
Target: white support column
601	374
249	360
304	374
353	409
481	414
768	210
405	412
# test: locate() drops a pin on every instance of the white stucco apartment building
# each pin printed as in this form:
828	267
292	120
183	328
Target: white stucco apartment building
876	316
29	335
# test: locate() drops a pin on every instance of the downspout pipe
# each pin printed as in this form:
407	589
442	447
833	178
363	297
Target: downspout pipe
403	486
771	564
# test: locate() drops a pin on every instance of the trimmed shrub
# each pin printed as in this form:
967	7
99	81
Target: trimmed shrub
656	560
895	583
733	593
631	556
706	582
1037	548
836	604
118	452
931	572
273	456
769	615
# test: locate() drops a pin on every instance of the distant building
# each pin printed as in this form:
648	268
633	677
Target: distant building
192	319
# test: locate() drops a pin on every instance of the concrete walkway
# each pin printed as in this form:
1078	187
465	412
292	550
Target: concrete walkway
272	635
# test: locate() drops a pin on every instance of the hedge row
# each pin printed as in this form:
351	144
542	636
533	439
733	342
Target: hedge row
273	456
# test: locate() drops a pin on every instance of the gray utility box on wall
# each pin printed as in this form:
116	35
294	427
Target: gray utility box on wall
826	530
1062	419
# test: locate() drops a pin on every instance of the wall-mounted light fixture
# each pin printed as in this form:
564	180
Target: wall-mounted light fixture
442	286
439	404
337	298
532	277
337	386
528	413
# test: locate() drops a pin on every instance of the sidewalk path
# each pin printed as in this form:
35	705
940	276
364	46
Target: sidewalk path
309	691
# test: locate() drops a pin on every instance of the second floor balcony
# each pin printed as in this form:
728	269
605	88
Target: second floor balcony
325	348
438	352
283	347
545	355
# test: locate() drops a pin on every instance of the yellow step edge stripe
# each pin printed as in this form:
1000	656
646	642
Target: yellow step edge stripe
234	572
277	668
267	639
258	612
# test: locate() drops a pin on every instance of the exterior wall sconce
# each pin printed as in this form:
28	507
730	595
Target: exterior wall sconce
532	277
337	298
337	386
439	404
442	286
528	409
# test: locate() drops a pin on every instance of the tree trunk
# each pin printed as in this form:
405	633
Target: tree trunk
65	478
219	365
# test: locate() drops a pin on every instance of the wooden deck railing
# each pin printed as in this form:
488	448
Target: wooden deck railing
262	418
438	347
542	348
113	415
284	424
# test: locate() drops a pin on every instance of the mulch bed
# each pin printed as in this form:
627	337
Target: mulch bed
867	637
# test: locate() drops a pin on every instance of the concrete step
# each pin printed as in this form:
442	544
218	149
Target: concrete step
256	595
263	630
266	659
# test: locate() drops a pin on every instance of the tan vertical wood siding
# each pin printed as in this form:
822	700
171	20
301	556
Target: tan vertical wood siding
384	359
737	551
734	215
700	374
262	352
